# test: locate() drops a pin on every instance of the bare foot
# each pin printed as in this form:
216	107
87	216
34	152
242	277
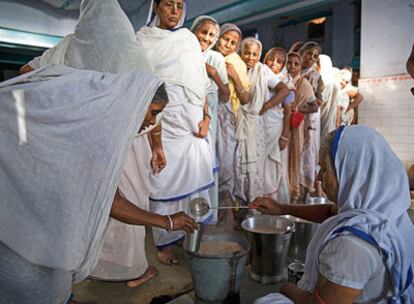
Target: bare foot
150	273
166	256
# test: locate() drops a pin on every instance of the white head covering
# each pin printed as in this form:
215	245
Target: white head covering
199	21
154	20
248	40
373	199
327	71
227	27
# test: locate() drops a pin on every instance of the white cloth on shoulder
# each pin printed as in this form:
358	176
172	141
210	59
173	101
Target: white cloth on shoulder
80	123
246	119
104	40
177	59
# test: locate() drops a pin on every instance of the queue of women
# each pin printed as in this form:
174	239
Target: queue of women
204	115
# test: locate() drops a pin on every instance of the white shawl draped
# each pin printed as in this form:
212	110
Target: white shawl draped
177	58
246	118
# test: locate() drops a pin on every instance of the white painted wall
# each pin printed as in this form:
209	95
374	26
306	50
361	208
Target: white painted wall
37	17
387	36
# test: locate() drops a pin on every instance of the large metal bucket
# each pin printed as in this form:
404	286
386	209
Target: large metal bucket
301	238
304	231
269	249
216	279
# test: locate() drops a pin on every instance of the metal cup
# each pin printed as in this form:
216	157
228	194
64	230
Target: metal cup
295	272
192	240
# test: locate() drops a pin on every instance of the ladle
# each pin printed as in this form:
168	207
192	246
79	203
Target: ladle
199	207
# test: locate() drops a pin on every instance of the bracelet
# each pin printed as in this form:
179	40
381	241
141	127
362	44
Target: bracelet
244	91
156	133
284	138
171	223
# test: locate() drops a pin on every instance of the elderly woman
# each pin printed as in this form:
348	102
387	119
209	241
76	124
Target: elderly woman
305	103
175	54
277	126
250	133
57	238
228	45
364	254
207	31
310	52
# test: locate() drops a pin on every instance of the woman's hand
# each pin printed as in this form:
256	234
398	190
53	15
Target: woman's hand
203	127
268	205
231	71
211	71
264	109
282	144
182	221
158	161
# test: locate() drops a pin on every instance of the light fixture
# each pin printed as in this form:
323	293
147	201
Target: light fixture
318	20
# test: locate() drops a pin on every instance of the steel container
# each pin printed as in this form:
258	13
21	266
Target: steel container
192	240
217	279
269	250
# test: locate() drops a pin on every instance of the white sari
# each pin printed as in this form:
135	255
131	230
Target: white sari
177	59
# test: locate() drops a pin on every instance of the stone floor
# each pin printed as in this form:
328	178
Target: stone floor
173	283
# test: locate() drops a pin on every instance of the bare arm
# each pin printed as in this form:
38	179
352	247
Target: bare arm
242	92
204	124
358	98
282	91
284	139
25	69
325	292
128	213
158	160
224	91
309	108
313	213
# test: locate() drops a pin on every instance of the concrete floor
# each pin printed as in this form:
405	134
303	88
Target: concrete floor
172	282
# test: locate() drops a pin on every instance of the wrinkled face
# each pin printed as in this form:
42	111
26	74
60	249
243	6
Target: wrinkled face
276	61
293	66
169	12
328	178
206	33
310	57
150	117
228	42
251	54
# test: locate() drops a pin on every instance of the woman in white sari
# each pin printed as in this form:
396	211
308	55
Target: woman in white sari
104	40
304	103
207	32
175	54
310	52
228	45
277	126
362	252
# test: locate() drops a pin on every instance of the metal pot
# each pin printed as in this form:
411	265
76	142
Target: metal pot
304	231
269	249
217	279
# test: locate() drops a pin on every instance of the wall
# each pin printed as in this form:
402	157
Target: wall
386	39
37	17
339	31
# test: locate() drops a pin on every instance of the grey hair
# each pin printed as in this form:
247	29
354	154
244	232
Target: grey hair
161	95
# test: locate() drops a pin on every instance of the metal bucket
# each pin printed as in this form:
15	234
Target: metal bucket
301	238
304	231
216	279
269	248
